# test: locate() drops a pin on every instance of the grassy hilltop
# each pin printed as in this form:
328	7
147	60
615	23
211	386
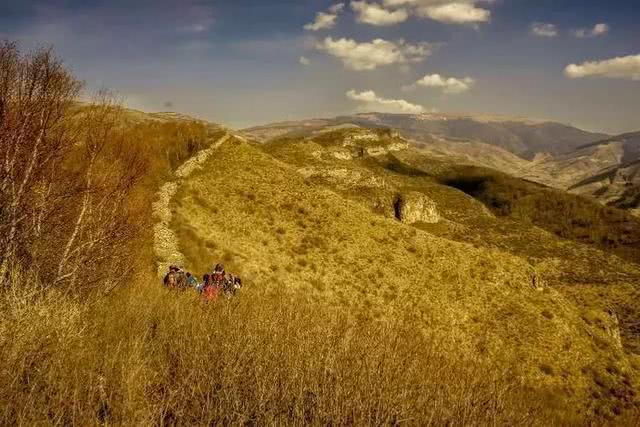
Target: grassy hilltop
343	220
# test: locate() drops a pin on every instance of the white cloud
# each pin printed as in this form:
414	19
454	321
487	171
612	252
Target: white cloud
625	67
376	53
449	85
325	20
596	31
541	29
600	29
304	60
370	100
456	13
374	14
446	11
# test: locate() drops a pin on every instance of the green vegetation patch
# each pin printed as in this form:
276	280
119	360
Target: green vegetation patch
568	216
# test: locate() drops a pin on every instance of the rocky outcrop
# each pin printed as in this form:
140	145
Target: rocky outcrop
386	149
414	207
342	155
360	136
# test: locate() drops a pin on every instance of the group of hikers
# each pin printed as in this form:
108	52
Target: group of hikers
215	283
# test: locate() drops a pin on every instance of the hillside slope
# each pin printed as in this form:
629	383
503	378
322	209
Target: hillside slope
337	219
616	180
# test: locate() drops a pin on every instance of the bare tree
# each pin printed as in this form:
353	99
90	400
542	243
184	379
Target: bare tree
35	93
66	174
110	168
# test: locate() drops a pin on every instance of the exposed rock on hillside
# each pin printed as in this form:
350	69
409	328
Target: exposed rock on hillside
612	329
349	144
343	178
414	207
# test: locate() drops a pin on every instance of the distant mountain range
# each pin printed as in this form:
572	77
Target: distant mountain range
558	155
522	137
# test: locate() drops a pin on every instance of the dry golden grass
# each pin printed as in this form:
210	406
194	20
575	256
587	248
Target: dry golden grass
146	356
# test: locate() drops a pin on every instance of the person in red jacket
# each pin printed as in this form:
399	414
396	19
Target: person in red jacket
210	291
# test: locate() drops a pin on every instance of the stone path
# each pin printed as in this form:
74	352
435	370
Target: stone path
165	241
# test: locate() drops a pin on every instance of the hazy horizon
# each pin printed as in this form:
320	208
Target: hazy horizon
250	62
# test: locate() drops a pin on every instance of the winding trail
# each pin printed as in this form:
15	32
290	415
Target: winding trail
165	240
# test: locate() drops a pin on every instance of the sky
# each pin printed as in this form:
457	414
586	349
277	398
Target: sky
249	62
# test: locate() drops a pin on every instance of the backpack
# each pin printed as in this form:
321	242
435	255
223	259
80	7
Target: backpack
192	281
181	280
170	280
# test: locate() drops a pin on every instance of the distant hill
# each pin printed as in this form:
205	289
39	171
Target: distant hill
617	179
522	137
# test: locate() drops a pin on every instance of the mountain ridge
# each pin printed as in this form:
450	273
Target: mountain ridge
520	136
595	165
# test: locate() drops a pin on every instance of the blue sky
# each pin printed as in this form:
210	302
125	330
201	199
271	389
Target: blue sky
246	62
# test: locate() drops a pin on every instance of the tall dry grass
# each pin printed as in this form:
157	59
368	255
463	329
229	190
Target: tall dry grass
150	357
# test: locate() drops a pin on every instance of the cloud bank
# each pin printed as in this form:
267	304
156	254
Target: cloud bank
445	11
448	85
371	101
624	67
368	56
325	20
374	14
